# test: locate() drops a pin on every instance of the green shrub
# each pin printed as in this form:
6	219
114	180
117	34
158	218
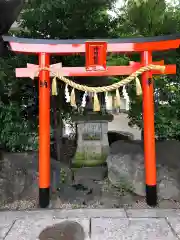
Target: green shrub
15	130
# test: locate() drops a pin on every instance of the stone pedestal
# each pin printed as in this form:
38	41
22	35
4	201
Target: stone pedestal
92	144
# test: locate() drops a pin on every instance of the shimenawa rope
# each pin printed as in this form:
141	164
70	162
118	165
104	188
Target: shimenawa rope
95	90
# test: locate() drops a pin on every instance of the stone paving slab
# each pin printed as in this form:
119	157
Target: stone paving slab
131	229
105	224
153	213
5	228
174	222
24	229
75	213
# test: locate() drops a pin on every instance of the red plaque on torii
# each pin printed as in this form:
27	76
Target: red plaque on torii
96	53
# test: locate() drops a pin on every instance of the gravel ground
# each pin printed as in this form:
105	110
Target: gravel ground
109	197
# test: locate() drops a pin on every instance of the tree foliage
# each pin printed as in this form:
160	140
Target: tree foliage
17	107
44	19
158	19
151	17
59	19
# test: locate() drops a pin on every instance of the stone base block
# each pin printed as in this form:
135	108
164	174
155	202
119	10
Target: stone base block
92	173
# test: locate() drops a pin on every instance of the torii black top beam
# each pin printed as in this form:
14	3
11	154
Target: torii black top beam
72	46
81	41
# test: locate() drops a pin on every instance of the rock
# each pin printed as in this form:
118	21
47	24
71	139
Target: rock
126	167
109	202
169	189
19	178
115	147
14	180
71	195
169	204
92	187
93	173
114	136
68	150
83	193
55	202
63	231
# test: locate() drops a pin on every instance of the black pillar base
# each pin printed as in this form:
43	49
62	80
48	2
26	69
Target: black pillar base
44	197
151	195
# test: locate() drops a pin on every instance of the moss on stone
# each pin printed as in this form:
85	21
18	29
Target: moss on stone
89	159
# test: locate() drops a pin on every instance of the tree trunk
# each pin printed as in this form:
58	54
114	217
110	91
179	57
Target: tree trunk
58	128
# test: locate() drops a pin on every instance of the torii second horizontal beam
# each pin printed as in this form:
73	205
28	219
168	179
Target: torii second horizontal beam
81	71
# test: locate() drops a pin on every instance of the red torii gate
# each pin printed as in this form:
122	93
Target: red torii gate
95	51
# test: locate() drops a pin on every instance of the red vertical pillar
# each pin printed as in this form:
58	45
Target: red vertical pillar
44	131
149	132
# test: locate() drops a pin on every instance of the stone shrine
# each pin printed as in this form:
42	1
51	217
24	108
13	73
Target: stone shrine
92	143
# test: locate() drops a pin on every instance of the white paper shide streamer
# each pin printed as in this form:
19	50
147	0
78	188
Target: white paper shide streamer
67	94
126	97
83	104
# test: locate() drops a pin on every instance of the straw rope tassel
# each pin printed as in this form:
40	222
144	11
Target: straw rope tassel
96	103
118	98
54	87
73	98
138	87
